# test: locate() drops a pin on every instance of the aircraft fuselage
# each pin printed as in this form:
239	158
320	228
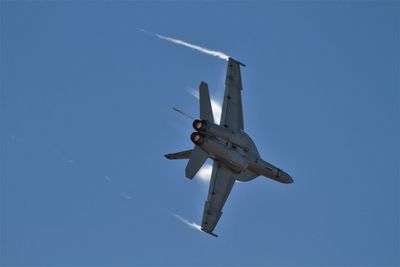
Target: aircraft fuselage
236	150
234	154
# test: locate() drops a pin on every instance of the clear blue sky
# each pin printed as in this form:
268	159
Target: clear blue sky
86	116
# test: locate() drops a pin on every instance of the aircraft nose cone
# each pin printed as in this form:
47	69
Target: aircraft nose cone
287	178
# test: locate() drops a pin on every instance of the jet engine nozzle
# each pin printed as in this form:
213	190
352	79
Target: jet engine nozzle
200	125
197	138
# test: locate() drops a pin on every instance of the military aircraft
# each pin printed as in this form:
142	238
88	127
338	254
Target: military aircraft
234	154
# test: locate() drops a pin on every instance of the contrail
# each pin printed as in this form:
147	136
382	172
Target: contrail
195	47
126	195
192	225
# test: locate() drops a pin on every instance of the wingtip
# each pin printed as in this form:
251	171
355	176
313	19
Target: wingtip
237	61
210	233
168	156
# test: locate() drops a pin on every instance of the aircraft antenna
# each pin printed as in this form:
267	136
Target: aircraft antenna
183	113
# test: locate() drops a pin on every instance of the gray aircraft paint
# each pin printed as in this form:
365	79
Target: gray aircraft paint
234	154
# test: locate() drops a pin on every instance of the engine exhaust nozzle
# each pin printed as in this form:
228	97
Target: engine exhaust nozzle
200	125
197	138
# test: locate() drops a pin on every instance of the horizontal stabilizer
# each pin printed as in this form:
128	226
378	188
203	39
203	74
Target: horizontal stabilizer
180	155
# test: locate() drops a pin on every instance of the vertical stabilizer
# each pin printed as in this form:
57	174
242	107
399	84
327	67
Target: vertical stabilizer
205	103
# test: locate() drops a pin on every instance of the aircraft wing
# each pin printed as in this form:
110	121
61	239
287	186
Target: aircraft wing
221	184
232	113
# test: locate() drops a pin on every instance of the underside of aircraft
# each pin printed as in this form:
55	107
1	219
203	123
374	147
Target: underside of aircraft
234	153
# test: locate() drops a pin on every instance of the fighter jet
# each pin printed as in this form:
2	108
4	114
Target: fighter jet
234	154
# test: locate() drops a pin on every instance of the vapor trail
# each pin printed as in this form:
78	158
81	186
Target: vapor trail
205	172
185	221
195	47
